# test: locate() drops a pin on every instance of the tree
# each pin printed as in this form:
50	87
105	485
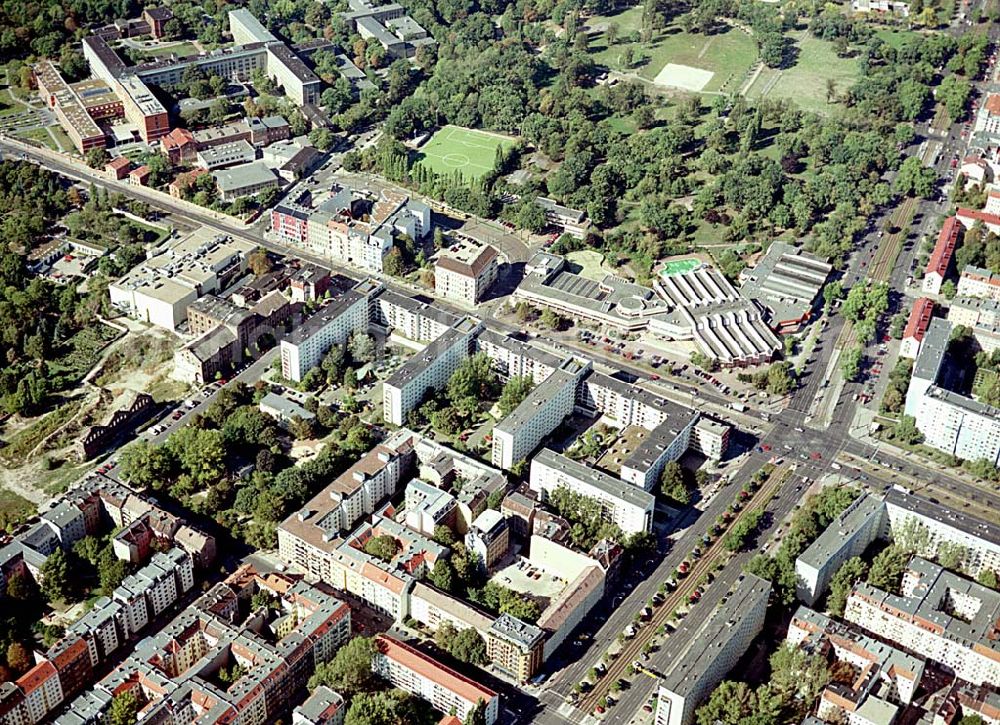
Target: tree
56	580
797	677
124	709
477	715
322	138
110	570
672	483
915	179
468	646
842	584
850	364
443	575
97	158
988	578
259	263
514	392
379	708
350	671
393	263
18	658
550	319
779	379
362	347
384	547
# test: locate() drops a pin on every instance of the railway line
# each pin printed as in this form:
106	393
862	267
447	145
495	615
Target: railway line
709	562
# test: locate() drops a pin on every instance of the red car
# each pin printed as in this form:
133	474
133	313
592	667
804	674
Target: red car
766	447
654	377
815	455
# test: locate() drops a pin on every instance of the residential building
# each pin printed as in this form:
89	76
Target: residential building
427	507
988	120
896	7
942	528
969	217
445	689
541	412
308	539
323	707
515	647
179	146
949	420
708	648
944	249
848	535
876	663
465	271
333	325
570	607
916	327
787	281
411	319
177	671
940	615
489	538
627	506
429	369
384	585
979	282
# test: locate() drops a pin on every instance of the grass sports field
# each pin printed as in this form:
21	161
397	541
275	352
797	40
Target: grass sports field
676	59
805	82
470	151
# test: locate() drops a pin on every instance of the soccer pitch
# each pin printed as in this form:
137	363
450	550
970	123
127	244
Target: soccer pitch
464	149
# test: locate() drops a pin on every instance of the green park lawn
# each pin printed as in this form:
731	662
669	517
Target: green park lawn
805	83
728	55
470	151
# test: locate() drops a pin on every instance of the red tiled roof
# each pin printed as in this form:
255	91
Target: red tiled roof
177	138
920	318
946	242
36	677
142	172
122	162
993	104
426	666
978	216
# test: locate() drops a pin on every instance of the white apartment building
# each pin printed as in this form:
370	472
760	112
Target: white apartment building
540	413
627	506
308	539
977	540
513	358
333	325
848	535
949	421
941	616
413	320
445	689
979	282
427	370
465	271
714	646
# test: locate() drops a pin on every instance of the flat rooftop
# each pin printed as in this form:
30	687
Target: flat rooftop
849	521
609	485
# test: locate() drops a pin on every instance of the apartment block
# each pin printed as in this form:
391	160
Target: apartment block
445	689
333	325
940	615
177	673
940	260
489	537
848	535
627	506
515	647
710	648
308	539
513	358
979	282
429	369
323	707
465	271
540	413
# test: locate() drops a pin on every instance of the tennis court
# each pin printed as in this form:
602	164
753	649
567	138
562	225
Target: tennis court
679	266
468	150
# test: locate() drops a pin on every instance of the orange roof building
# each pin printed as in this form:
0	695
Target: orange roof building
420	674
